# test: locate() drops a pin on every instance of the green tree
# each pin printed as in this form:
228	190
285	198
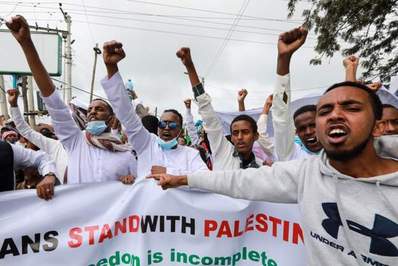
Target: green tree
367	28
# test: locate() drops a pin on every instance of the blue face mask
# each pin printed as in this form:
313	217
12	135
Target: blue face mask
167	145
96	128
299	142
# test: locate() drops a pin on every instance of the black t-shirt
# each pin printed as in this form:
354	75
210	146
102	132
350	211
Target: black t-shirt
7	167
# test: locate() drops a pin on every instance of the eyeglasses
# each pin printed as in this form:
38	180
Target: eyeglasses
170	124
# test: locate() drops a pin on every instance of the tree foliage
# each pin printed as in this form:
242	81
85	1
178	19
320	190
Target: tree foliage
366	28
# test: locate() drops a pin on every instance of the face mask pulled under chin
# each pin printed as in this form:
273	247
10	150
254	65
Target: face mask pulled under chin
96	128
167	145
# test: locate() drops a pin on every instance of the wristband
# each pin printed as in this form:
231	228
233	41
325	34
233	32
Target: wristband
198	90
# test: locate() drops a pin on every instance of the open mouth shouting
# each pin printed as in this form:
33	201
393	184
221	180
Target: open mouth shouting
337	134
312	140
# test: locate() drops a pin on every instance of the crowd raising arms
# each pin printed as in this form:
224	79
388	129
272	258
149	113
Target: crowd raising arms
339	148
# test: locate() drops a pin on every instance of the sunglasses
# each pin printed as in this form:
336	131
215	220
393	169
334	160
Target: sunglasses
170	124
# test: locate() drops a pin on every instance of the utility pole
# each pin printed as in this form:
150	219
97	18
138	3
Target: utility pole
31	104
68	57
3	100
97	51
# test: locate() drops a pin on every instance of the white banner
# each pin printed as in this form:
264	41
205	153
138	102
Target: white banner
116	224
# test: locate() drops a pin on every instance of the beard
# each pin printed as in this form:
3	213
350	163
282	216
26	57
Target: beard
346	155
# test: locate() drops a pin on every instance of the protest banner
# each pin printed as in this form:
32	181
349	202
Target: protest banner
115	224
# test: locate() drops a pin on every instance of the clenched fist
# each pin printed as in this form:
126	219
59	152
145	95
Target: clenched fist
290	41
187	103
19	29
13	97
351	61
242	95
113	52
185	55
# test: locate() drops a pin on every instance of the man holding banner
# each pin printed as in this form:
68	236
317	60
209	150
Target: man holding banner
346	195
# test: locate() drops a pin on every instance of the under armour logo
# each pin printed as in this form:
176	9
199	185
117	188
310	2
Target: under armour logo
383	228
333	223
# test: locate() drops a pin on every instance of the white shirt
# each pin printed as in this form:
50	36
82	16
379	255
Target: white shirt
315	185
26	157
52	147
282	120
190	126
264	142
222	150
86	163
179	161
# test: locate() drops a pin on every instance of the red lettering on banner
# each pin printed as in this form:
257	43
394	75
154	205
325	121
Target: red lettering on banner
122	227
261	220
224	230
210	225
275	222
249	223
285	230
105	233
77	239
297	233
91	229
236	229
134	223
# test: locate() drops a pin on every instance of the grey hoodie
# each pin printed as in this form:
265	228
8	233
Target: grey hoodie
346	220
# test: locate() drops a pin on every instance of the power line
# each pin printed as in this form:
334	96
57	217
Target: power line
96	10
12	11
227	37
77	88
277	31
88	24
108	10
207	11
185	25
175	33
169	23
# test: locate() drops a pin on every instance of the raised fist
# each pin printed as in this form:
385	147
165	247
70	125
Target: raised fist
187	103
351	61
242	95
290	41
268	104
113	52
185	55
375	86
13	97
19	28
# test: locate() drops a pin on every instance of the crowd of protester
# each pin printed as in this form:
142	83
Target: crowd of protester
121	140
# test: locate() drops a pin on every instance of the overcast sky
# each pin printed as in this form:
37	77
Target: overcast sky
152	31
